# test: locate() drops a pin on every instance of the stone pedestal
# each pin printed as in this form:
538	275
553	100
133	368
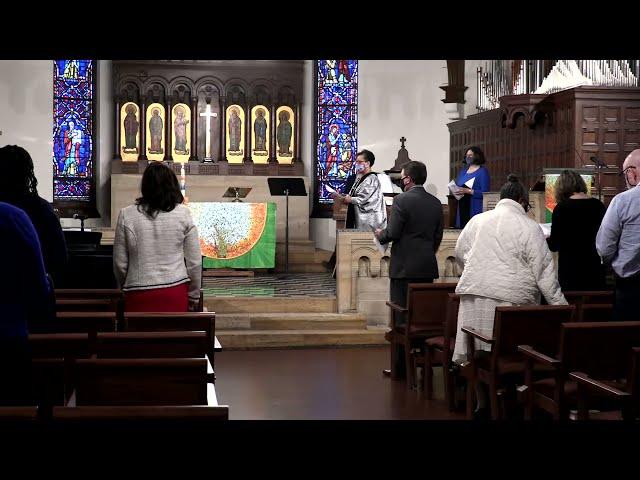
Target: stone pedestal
362	273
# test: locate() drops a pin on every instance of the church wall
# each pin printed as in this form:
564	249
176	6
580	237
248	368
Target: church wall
26	102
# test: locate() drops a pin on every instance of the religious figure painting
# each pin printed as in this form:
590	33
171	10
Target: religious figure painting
180	123
155	131
284	134
235	134
260	143
130	138
72	141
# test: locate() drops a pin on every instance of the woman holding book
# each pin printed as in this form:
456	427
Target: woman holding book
473	181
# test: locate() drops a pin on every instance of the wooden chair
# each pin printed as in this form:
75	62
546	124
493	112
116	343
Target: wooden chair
190	418
439	351
143	382
425	314
504	367
152	345
174	322
600	349
628	399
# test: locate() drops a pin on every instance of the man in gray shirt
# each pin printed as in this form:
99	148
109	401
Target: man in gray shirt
618	241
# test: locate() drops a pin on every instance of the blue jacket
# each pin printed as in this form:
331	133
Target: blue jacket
25	291
481	184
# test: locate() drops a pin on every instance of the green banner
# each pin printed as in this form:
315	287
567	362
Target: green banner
236	234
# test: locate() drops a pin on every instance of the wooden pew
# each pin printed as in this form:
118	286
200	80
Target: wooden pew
425	315
627	398
600	349
152	345
190	418
90	300
504	366
174	322
84	322
18	419
596	312
53	356
142	382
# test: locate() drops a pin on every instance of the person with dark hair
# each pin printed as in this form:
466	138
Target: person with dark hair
366	207
475	174
26	301
506	262
415	228
574	226
156	252
618	242
18	187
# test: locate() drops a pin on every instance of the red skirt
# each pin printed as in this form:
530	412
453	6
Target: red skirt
171	299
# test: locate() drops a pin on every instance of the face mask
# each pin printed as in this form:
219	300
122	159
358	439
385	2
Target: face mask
360	167
468	160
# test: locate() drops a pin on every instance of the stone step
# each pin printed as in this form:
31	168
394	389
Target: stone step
301	268
252	339
290	321
270	304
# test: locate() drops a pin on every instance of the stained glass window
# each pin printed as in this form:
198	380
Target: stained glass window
73	130
337	126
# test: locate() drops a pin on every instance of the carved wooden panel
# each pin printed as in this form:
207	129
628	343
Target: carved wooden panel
564	129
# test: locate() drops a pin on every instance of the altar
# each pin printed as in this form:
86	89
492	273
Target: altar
236	234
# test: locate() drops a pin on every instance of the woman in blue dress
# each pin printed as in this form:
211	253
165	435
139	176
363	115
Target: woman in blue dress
471	203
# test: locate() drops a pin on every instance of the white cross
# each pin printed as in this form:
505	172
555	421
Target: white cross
208	114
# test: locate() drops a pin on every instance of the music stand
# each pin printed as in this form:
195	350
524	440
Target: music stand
236	193
288	187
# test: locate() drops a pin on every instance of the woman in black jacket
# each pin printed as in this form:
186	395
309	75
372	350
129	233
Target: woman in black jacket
19	188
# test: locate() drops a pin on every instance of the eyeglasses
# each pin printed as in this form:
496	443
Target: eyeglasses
406	176
624	172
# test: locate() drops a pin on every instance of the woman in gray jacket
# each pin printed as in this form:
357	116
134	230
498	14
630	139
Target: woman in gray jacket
156	252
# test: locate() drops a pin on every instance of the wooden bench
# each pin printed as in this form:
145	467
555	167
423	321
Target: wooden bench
175	322
143	382
600	349
425	316
190	418
84	322
152	345
504	366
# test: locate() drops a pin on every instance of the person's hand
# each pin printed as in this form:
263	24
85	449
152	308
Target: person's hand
466	191
378	232
335	195
194	305
347	199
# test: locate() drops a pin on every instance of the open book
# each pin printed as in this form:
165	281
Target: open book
455	190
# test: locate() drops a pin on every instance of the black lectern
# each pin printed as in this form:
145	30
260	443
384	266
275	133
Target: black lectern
288	187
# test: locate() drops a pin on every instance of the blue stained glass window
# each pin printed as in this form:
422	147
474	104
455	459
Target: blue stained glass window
73	130
337	125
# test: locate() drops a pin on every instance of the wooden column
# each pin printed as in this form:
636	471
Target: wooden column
247	134
143	130
273	144
296	157
117	150
168	157
194	129
223	128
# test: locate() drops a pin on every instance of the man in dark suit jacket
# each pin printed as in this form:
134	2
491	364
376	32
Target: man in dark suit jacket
415	228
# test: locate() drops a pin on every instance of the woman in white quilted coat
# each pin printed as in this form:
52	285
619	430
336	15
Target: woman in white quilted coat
506	262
